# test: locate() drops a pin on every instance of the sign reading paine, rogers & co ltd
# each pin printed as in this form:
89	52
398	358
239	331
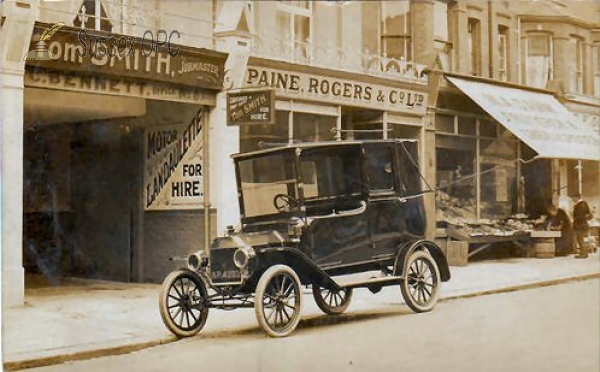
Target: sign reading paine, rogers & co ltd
298	85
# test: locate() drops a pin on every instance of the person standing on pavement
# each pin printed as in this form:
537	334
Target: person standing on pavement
558	220
581	215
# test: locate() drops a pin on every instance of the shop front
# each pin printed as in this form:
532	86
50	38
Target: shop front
114	156
497	154
315	104
318	104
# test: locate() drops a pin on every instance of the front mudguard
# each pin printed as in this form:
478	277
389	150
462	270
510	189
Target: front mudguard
308	272
435	252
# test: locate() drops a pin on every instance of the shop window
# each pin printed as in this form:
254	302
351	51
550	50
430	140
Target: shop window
294	29
92	16
459	171
368	131
313	128
380	168
444	123
503	56
396	41
539	60
467	126
498	178
576	66
404	131
487	129
455	176
257	136
474	41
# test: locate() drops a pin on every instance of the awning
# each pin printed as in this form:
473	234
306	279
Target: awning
537	119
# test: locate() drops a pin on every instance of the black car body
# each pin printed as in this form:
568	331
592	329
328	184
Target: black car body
311	213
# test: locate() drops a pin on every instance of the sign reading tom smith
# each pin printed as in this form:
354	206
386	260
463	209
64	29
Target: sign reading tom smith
251	107
90	52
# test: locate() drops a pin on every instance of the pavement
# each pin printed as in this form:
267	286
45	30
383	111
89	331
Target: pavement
75	319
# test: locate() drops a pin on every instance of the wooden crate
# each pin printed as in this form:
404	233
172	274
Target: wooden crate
457	253
441	242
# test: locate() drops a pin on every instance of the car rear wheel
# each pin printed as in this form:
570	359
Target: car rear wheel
278	301
182	303
420	288
330	301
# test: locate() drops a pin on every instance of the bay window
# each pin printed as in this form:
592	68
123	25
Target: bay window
539	60
576	66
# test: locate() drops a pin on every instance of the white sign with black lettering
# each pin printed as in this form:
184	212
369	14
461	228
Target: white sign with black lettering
174	169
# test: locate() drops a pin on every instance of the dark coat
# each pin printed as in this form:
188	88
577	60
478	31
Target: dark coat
581	215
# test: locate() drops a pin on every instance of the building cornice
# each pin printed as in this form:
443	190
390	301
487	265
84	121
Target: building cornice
308	69
558	19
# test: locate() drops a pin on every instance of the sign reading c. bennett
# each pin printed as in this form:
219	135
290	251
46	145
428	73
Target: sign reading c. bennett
251	107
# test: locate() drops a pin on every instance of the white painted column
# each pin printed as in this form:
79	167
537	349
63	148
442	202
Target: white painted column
15	37
224	141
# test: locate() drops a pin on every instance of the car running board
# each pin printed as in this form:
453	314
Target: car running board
373	282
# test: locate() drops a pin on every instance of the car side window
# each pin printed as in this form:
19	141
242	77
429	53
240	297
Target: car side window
409	168
380	168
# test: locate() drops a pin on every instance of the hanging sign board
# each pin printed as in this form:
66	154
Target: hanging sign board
174	166
251	107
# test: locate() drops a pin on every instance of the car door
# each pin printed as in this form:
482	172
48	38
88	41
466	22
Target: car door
335	200
387	220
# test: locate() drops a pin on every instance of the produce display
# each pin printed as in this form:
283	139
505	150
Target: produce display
459	216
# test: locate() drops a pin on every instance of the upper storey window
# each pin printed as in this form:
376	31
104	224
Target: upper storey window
576	66
474	33
294	19
539	60
92	16
503	57
396	41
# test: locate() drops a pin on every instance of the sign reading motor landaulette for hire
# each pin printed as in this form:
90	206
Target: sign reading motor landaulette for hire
174	167
251	107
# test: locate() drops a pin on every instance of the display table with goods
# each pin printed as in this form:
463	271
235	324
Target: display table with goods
457	217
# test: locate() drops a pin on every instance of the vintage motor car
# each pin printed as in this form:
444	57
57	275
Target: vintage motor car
331	216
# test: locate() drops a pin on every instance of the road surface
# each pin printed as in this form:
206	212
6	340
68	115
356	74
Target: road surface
553	328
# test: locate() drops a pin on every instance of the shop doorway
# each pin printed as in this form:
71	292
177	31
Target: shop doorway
537	183
80	166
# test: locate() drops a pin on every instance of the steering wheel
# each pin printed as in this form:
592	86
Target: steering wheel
282	202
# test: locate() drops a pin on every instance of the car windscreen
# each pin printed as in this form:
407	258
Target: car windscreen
262	179
327	173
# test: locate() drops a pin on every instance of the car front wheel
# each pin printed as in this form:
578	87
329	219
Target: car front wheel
182	303
278	301
421	285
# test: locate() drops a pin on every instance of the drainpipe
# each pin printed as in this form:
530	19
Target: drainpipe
519	72
579	177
